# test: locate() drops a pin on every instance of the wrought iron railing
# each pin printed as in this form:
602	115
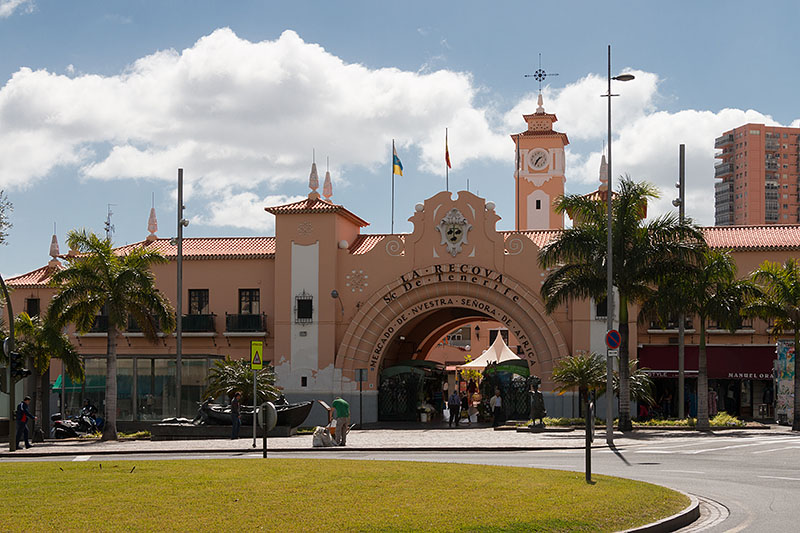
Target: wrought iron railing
235	323
197	323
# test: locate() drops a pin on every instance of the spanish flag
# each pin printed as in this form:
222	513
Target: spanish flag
397	166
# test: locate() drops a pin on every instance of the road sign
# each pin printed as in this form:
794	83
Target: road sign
613	353
256	355
613	339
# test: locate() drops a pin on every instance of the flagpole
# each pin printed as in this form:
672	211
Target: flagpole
392	186
516	175
446	168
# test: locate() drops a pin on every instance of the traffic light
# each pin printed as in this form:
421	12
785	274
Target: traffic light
18	372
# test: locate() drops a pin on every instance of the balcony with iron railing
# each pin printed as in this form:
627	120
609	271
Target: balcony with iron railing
198	323
100	324
772	146
245	323
769	165
722	140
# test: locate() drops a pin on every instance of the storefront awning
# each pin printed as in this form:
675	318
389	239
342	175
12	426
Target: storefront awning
724	362
94	383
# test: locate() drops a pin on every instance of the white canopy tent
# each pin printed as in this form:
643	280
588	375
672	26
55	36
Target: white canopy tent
498	352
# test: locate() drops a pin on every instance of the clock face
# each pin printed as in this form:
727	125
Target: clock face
538	159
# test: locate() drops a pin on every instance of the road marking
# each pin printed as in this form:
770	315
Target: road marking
685	471
779	477
82	458
777	449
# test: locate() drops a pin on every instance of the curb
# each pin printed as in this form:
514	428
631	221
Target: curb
674	522
64	453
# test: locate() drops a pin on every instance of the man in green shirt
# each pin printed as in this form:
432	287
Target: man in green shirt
342	413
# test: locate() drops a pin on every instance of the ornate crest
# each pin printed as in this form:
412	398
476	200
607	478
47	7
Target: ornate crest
454	228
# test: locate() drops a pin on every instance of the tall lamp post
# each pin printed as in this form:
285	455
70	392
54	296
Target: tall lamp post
680	203
610	265
182	223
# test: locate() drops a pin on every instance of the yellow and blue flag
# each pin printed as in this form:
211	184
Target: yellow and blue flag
397	166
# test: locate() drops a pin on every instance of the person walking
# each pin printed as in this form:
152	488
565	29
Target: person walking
496	403
454	404
342	411
23	414
236	417
465	407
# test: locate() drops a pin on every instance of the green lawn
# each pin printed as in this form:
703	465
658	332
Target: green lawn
319	495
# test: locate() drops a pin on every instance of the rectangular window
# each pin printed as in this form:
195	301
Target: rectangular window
304	308
32	306
249	301
198	302
601	308
493	335
538	204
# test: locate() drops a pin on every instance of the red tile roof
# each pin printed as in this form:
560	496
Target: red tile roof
365	243
736	238
37	278
749	238
316	205
539	237
211	248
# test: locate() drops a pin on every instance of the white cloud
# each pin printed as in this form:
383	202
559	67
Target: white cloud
239	113
7	7
240	116
244	210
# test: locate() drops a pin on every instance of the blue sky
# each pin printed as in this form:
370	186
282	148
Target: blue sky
101	102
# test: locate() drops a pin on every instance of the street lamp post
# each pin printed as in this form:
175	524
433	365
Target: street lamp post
182	223
610	265
680	202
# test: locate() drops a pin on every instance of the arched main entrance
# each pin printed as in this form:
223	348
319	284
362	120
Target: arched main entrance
435	297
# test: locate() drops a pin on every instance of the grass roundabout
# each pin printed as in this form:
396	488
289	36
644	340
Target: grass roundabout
320	495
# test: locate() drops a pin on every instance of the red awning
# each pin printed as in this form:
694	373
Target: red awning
724	362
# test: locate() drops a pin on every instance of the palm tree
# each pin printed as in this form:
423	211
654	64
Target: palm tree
711	291
228	375
644	253
584	371
121	286
780	302
39	341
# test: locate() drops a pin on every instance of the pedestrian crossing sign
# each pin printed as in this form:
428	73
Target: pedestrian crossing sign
256	355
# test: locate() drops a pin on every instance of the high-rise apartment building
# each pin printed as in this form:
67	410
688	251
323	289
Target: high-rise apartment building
760	172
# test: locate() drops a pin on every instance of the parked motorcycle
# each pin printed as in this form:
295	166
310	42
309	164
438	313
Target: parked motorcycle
72	427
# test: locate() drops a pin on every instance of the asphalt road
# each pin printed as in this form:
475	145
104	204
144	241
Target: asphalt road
745	482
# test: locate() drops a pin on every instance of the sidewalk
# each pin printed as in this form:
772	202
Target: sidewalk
473	439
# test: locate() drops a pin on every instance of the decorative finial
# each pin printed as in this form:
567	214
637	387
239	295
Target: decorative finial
54	253
313	178
327	187
540	109
603	174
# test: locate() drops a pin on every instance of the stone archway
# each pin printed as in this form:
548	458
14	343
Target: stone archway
494	294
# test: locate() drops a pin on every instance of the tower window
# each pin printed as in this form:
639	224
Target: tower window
304	309
538	204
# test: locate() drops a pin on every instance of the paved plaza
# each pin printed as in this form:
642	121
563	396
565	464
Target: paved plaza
435	438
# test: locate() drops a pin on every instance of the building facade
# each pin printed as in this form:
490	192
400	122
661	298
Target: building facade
332	303
759	169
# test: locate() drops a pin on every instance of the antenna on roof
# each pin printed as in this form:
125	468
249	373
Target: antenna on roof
109	226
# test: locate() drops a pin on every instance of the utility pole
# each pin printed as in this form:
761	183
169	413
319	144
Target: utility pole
12	419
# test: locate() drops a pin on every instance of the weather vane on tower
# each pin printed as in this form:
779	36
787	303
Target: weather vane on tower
540	74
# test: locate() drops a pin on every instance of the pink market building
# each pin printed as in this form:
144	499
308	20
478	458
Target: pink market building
329	300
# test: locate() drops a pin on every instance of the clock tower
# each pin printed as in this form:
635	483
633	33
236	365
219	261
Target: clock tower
540	172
